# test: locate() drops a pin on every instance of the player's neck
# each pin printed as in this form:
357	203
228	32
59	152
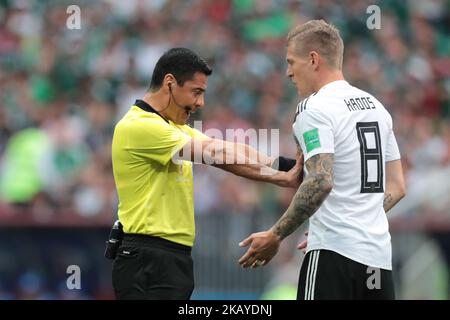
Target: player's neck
158	101
327	78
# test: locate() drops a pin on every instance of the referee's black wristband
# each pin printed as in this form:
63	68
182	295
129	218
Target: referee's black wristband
283	164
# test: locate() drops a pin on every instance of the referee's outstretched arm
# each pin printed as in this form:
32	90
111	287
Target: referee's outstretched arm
241	160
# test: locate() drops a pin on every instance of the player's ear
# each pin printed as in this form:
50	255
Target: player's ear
314	59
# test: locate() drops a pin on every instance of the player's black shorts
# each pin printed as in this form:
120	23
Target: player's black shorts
150	268
327	275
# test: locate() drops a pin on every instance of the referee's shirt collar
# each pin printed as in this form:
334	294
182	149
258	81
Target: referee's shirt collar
146	107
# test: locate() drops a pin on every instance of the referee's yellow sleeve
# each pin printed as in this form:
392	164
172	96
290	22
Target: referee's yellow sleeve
196	134
156	140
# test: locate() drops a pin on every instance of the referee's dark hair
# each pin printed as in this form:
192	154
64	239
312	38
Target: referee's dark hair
182	63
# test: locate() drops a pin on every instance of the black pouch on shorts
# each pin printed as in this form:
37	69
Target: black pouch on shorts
114	240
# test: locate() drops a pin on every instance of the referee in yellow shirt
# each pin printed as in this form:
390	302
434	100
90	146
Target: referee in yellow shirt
152	150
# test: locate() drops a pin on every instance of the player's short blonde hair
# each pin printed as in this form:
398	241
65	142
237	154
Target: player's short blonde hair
319	36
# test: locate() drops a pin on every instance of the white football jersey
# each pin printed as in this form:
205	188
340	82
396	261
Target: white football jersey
357	129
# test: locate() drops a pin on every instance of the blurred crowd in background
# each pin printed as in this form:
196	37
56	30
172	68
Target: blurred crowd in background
63	90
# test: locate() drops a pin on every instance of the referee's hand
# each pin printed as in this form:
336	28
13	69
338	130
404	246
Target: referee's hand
263	247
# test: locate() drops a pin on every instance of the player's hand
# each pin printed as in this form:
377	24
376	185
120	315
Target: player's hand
263	247
295	175
302	245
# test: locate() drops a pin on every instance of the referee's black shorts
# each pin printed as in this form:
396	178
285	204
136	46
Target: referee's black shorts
151	268
327	275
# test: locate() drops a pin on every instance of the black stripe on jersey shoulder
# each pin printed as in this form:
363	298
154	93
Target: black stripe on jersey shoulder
302	106
146	107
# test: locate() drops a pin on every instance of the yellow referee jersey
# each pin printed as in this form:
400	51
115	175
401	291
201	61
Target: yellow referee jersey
155	194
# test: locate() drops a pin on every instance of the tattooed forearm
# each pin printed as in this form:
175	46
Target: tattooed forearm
391	198
388	202
312	192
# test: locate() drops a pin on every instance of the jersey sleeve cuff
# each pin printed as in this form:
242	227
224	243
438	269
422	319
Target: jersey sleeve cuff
317	151
178	147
